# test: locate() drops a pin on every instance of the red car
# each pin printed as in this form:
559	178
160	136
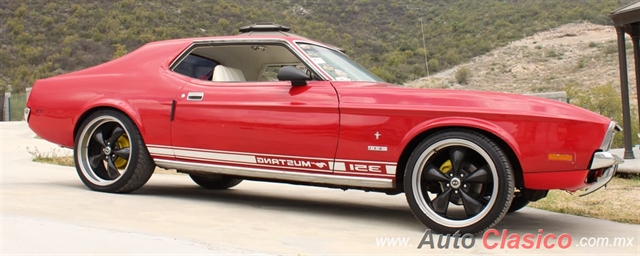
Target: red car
269	105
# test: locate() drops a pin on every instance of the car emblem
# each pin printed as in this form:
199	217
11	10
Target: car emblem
455	183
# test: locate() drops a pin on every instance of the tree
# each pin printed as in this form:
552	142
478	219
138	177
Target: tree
119	50
604	100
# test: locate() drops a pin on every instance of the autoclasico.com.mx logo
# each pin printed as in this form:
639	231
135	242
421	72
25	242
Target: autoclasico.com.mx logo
494	239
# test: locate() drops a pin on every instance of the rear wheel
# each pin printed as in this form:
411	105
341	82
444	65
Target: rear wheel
215	181
458	180
110	155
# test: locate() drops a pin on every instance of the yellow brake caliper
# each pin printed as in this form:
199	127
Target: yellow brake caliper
446	166
123	142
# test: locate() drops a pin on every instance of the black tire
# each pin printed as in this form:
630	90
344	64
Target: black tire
110	155
479	183
215	181
518	202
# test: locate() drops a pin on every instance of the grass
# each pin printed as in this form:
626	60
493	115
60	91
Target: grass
617	202
56	156
59	157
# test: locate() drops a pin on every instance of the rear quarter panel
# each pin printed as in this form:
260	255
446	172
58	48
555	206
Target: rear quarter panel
138	84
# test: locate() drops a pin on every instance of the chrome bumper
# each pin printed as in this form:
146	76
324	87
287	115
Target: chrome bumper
602	181
603	160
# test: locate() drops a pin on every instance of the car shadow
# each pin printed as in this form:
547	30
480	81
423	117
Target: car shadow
527	220
349	209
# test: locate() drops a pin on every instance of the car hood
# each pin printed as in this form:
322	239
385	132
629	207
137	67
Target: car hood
455	101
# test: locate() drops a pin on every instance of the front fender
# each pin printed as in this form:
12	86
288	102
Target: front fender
474	123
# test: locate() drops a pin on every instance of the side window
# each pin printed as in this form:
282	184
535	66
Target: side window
196	67
270	72
238	62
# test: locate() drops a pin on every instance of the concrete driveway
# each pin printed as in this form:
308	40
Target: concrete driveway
47	210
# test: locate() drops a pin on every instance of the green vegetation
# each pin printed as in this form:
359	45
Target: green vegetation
617	202
39	39
604	100
17	104
463	75
56	157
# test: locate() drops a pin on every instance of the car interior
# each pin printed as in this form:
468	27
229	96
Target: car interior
238	63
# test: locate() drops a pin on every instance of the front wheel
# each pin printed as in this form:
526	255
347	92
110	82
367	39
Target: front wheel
518	202
458	180
110	155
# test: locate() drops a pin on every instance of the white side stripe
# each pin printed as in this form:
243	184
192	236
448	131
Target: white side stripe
160	151
215	156
391	169
325	178
287	162
339	166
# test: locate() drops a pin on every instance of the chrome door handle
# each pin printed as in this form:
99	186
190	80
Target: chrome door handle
195	96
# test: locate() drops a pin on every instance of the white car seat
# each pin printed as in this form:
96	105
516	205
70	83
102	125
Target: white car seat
227	74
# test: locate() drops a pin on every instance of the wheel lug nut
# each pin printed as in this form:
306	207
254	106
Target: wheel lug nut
447	184
455	191
461	175
465	185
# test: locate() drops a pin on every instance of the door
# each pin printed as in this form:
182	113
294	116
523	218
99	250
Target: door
269	125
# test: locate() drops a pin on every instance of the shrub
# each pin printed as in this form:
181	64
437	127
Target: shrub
463	75
604	100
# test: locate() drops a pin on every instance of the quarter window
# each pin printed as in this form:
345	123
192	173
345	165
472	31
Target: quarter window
196	67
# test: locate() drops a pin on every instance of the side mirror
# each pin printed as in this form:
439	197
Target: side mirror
293	74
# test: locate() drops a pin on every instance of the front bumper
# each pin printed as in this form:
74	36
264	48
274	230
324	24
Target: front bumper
604	160
602	181
604	165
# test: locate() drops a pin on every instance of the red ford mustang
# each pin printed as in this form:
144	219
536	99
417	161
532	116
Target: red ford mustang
273	106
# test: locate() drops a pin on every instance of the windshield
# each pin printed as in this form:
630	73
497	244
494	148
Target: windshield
338	65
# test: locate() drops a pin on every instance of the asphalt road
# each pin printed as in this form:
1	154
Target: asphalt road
47	210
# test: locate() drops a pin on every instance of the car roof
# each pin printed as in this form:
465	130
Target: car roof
263	30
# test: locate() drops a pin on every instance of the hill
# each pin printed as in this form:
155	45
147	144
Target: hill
579	53
42	38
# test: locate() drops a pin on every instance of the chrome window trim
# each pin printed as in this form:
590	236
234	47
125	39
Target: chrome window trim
288	44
